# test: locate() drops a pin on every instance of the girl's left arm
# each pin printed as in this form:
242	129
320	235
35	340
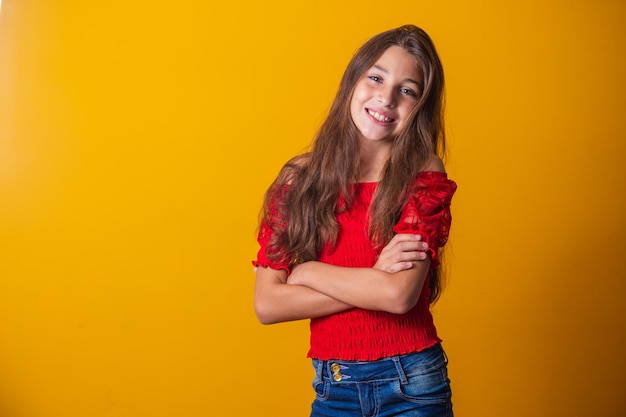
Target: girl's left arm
368	288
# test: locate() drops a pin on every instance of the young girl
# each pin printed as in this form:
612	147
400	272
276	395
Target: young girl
350	235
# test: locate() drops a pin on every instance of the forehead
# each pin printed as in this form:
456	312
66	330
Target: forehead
397	61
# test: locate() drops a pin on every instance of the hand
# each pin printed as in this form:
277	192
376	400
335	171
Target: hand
401	252
282	278
297	274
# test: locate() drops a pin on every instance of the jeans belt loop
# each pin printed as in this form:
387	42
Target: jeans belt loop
319	369
396	362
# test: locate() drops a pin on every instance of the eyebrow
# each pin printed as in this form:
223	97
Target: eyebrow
409	80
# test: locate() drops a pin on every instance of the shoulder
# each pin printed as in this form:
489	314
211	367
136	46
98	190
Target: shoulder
434	164
432	172
433	178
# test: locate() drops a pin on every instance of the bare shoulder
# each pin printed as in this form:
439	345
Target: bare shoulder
435	164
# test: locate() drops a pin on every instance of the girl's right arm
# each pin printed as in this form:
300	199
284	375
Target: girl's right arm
275	301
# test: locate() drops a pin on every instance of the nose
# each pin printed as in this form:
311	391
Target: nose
386	96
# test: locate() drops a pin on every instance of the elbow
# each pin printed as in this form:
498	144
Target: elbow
404	294
264	313
263	319
401	302
402	307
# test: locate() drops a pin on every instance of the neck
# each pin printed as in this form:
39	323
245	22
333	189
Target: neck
372	161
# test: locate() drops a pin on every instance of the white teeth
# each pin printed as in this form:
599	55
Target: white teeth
379	116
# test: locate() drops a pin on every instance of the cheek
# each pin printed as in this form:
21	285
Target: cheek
359	96
361	93
405	111
355	105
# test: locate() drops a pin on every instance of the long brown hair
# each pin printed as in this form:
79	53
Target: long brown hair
304	218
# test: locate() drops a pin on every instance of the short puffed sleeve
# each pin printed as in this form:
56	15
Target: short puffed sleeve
427	211
273	222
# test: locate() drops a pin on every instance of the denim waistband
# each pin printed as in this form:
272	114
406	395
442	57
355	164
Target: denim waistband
393	367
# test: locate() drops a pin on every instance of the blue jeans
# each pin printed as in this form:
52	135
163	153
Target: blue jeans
416	384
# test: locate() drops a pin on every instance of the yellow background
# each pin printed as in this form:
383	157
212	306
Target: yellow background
137	139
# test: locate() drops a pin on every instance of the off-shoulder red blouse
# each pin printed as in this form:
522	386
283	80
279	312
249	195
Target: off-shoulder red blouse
359	334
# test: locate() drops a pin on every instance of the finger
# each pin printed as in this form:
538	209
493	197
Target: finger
399	240
410	256
401	266
405	237
402	238
412	246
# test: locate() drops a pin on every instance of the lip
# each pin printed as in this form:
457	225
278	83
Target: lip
382	113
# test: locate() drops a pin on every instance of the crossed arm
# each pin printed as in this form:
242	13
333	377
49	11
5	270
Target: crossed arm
316	289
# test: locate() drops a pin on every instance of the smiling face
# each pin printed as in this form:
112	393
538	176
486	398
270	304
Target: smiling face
384	96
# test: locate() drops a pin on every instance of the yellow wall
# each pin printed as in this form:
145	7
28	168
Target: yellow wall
136	141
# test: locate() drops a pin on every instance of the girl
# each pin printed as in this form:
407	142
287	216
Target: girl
350	234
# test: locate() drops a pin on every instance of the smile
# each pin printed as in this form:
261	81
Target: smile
379	117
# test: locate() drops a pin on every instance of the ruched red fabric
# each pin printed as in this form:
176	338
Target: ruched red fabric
360	334
266	229
428	211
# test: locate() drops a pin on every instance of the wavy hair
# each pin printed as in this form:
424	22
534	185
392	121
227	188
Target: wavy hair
303	219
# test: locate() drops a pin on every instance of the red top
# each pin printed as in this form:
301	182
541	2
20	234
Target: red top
359	334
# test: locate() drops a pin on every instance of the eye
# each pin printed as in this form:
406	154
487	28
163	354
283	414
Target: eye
375	78
408	92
